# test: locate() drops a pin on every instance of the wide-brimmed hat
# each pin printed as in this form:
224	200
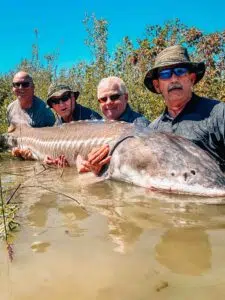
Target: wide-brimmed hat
56	90
174	55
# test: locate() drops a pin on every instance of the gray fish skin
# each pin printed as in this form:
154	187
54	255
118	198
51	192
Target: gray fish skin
154	160
165	162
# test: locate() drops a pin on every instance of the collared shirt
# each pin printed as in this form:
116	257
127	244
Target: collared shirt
202	121
38	115
81	113
130	116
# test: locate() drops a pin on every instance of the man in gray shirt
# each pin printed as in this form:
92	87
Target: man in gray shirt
27	108
196	118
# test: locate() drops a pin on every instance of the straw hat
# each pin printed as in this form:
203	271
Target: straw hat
174	55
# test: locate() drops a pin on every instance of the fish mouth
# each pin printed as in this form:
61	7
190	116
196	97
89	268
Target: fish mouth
199	192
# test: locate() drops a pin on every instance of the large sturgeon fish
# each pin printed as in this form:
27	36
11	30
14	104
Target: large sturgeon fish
154	160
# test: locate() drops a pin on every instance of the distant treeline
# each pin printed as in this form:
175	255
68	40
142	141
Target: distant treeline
128	61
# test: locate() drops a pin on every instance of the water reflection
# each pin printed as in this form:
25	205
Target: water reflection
71	216
38	212
95	240
185	251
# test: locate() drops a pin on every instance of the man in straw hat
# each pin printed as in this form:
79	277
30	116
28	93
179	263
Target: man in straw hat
196	118
174	76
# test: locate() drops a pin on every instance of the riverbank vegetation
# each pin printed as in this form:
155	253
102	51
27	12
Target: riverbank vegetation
130	61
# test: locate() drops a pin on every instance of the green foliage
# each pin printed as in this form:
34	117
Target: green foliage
127	61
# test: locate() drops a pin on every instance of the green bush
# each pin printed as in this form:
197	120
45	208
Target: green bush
128	62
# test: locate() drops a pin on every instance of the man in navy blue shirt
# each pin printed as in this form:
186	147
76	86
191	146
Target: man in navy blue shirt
112	96
63	100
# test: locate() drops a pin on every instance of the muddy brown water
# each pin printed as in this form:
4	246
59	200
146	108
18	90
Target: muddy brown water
81	239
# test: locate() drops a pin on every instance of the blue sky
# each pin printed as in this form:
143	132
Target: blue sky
60	26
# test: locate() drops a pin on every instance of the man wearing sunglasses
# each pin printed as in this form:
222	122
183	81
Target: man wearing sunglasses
27	108
173	76
62	99
196	118
112	96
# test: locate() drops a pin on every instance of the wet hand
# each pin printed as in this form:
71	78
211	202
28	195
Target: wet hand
60	161
97	158
23	153
82	165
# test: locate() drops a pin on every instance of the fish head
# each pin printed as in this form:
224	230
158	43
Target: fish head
167	163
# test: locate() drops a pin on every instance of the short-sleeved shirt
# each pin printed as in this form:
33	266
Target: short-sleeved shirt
129	116
38	115
202	121
81	113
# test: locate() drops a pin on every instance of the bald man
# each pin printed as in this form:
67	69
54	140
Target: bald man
27	108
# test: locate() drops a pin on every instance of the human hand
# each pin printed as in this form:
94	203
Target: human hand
97	158
23	153
60	161
82	165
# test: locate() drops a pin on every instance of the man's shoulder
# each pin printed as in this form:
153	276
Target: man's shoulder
131	115
206	101
42	115
213	105
83	112
39	102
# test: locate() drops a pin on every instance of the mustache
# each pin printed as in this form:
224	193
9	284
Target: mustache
174	86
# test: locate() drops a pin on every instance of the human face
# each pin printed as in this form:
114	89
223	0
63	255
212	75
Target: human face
112	102
175	86
23	88
64	105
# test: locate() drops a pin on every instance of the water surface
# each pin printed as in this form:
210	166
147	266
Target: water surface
81	239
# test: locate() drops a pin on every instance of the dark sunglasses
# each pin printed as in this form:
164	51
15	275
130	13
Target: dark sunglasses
111	97
24	84
167	73
63	98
